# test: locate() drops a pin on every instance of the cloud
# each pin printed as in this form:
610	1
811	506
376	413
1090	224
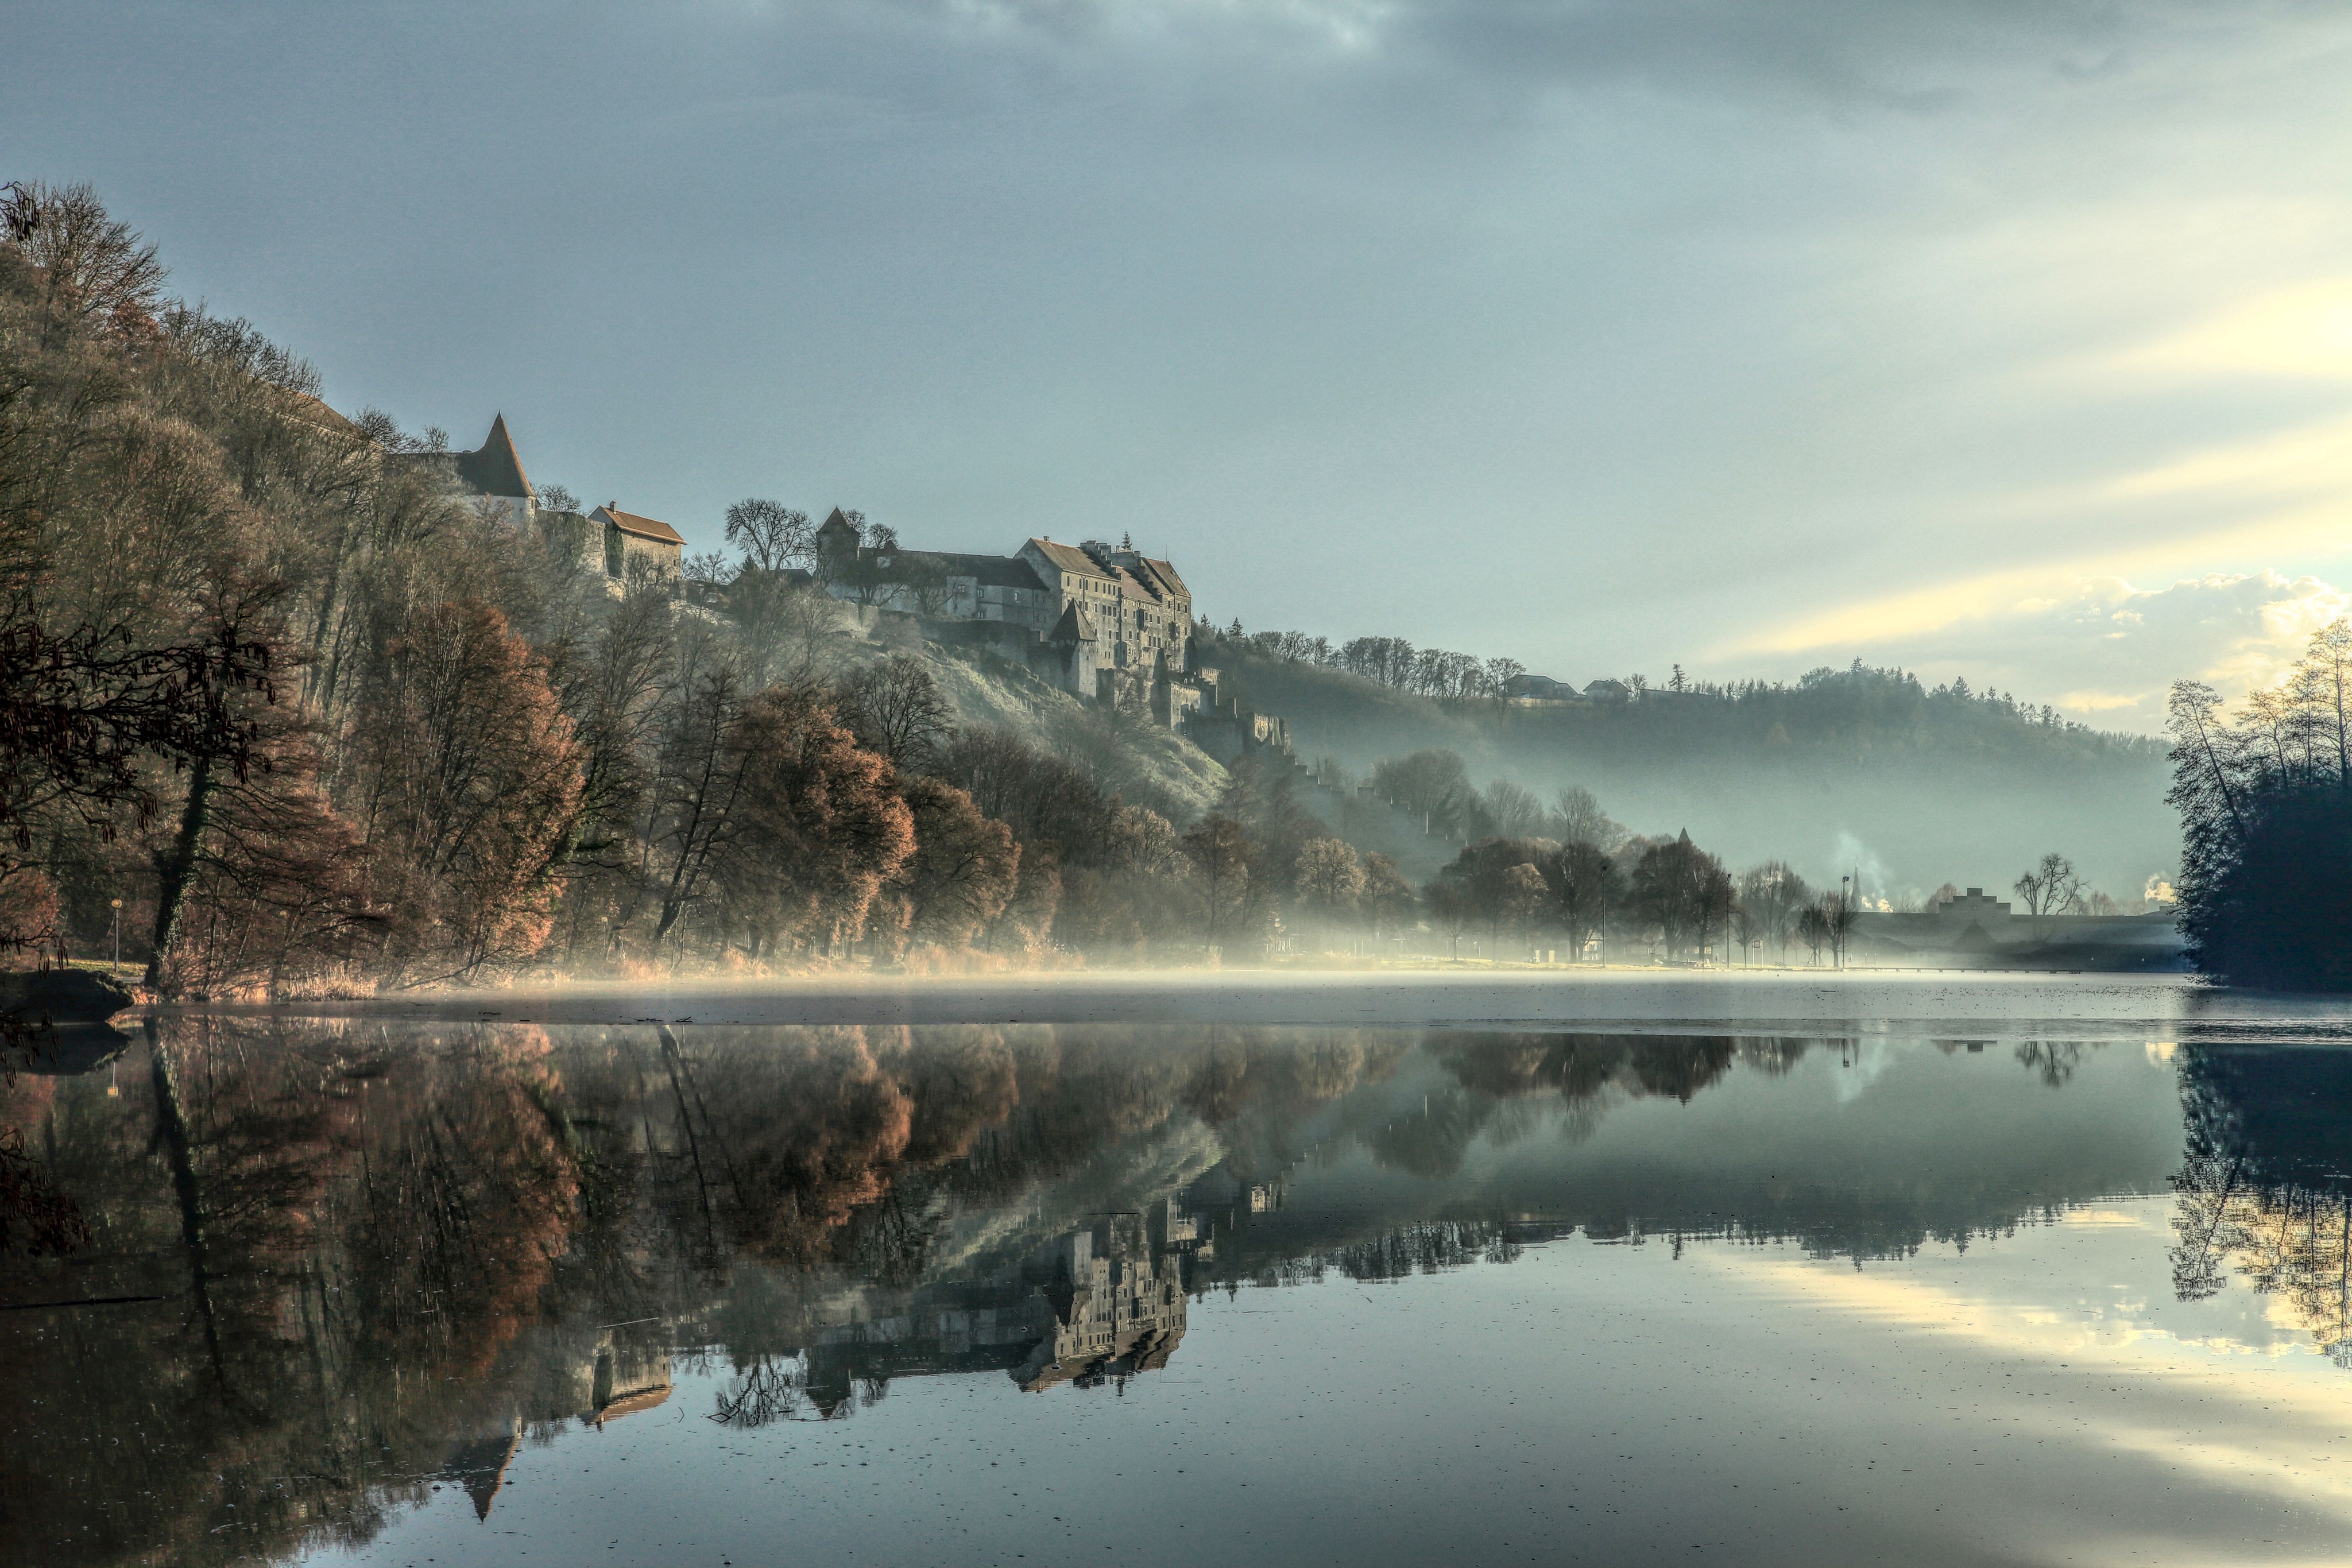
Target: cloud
2105	651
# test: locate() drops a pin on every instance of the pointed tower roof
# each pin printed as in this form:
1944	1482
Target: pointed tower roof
495	470
1071	628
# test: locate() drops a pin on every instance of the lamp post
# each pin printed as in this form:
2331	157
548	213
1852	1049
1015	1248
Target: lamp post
118	932
1845	917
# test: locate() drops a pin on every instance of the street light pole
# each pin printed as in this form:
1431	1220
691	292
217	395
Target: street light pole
118	932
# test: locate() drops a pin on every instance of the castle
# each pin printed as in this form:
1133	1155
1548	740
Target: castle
1107	625
1111	625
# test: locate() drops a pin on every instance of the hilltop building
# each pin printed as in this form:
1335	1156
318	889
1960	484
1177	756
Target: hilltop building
1976	928
493	471
1106	625
1109	624
623	547
637	545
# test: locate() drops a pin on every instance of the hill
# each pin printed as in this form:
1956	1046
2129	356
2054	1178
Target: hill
1843	768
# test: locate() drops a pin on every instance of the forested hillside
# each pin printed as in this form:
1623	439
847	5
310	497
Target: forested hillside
1845	766
284	708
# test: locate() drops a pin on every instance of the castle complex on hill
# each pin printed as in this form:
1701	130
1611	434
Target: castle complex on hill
1107	625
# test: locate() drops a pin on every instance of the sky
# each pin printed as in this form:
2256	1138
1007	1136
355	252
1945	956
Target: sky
2009	340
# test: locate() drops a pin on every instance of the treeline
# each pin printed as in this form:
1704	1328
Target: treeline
1665	899
2265	804
1860	701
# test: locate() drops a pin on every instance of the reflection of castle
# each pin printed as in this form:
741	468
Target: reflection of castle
1115	1313
1103	1302
632	1375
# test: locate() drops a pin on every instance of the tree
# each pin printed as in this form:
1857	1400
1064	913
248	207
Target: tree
1523	896
824	828
1330	878
895	708
1585	884
1827	921
793	631
1220	854
1482	874
1677	888
1433	785
1813	929
1514	812
964	870
2050	887
772	535
1578	819
1451	911
1387	895
96	267
1774	896
476	784
274	892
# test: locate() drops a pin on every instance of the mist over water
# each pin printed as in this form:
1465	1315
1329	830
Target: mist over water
1922	1273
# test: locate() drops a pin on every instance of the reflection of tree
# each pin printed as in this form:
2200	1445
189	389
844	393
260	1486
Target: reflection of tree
318	1246
1580	1067
2263	1187
1426	1248
394	1238
760	1392
2053	1060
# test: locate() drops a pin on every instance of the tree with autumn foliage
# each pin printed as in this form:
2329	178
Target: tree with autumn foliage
473	779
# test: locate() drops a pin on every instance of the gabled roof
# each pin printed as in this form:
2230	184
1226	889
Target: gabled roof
1071	628
1068	558
1170	581
495	470
836	523
643	528
987	571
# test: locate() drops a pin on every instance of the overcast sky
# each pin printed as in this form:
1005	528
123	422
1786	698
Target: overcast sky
2004	339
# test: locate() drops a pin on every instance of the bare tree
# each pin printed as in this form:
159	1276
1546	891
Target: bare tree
894	707
95	264
772	535
2048	888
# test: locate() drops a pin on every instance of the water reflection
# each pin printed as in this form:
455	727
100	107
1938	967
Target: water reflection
2263	1189
338	1267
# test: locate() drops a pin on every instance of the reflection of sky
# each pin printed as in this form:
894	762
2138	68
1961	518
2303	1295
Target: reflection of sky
2038	1398
2036	1395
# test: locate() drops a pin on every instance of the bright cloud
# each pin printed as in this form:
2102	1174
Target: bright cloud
2105	650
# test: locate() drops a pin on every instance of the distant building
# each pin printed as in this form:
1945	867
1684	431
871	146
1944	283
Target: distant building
1975	926
1608	691
1098	622
1534	691
636	546
491	473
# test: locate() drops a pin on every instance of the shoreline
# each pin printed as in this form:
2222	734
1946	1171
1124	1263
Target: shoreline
1933	1004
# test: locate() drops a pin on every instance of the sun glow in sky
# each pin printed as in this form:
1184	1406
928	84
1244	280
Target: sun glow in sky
2009	342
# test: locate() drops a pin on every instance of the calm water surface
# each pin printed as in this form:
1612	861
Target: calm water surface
456	1293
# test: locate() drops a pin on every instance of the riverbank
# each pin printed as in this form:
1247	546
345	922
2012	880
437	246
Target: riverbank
1931	1004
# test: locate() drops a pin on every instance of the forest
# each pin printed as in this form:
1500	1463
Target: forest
1860	764
2265	804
